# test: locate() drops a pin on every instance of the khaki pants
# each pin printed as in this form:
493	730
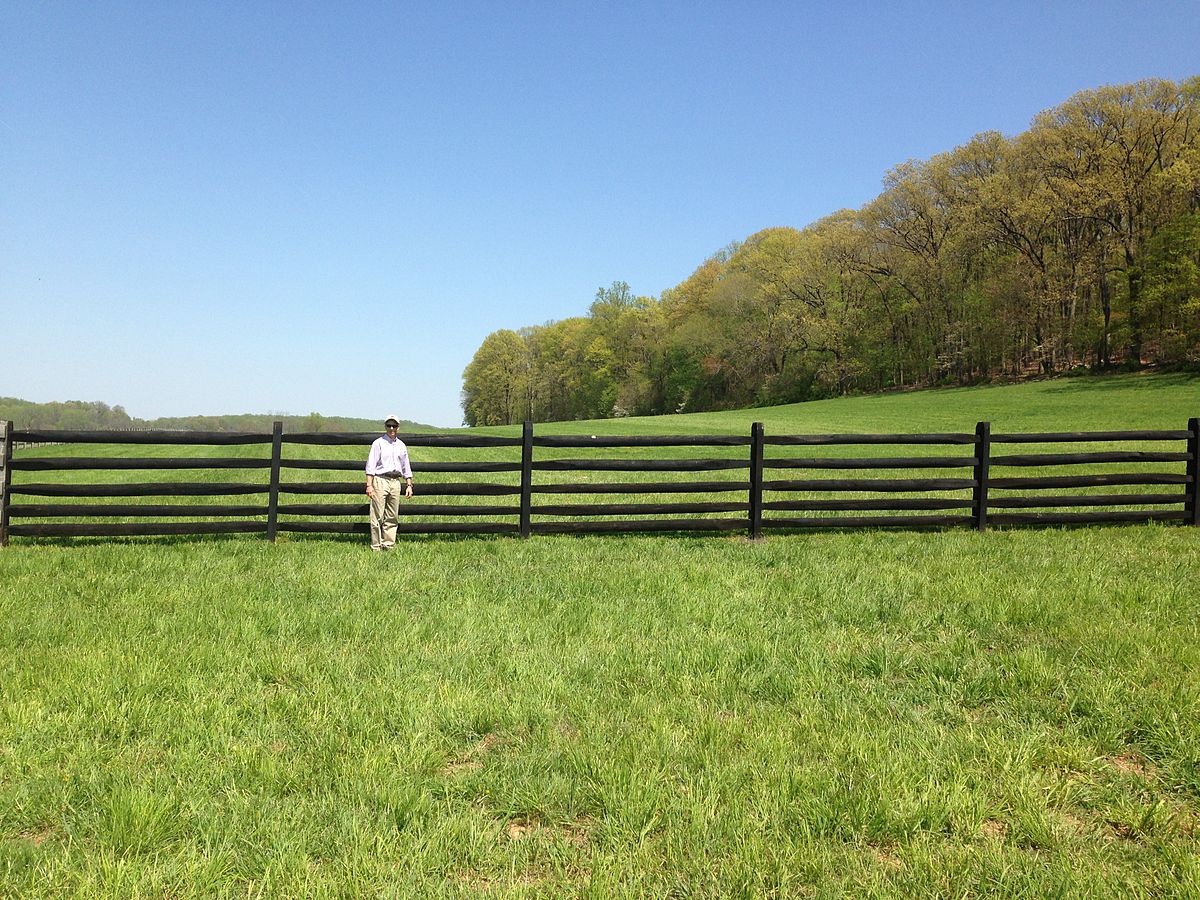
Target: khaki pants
385	506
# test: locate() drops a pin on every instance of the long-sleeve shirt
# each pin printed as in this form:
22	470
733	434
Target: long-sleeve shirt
388	456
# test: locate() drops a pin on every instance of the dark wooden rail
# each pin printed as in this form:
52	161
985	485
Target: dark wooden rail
940	480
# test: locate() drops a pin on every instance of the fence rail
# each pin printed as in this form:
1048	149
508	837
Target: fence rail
904	488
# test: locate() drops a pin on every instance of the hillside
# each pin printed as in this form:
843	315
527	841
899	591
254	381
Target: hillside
1145	400
1085	403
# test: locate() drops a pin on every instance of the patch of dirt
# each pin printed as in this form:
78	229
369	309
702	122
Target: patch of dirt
1071	822
470	760
461	766
1169	815
489	742
1132	764
577	833
475	882
519	829
994	829
1186	822
1122	830
478	883
38	836
885	855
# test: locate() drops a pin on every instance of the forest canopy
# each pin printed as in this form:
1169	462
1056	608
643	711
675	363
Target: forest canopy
1073	244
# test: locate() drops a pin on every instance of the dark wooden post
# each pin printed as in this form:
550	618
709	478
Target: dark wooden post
983	457
1193	470
273	494
756	480
526	476
6	454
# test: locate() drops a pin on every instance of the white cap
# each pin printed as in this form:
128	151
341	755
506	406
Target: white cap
395	419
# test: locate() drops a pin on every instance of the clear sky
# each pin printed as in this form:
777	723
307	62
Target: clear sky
235	207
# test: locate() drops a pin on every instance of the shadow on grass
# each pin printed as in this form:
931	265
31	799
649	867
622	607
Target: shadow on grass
1149	380
452	539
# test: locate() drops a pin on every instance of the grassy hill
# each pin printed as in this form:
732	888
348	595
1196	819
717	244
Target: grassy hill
1089	402
1064	404
872	714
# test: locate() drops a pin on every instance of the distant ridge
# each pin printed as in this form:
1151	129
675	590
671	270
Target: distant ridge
82	415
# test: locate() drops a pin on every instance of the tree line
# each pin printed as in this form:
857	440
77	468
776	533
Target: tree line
81	415
1073	244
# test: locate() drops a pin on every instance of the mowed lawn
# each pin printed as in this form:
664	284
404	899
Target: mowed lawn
842	713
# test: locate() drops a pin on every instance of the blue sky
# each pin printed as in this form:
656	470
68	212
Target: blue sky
215	208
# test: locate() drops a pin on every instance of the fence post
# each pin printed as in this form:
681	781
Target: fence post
526	475
983	457
756	479
273	494
1192	508
6	454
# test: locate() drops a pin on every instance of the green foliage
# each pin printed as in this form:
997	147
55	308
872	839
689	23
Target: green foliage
496	383
77	415
1072	244
72	415
604	365
1172	289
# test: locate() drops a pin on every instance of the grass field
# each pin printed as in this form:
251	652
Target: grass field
1015	713
1086	403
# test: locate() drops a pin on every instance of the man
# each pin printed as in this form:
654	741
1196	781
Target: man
387	467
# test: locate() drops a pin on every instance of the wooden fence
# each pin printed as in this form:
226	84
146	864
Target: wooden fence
758	498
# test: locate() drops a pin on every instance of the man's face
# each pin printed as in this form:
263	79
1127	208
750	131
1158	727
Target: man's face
391	429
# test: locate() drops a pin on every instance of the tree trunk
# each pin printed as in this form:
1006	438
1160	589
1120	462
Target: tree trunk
1106	306
1133	275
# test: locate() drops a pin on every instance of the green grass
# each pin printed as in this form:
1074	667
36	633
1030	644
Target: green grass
1065	404
1015	713
883	714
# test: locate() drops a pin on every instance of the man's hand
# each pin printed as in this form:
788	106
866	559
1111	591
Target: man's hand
408	492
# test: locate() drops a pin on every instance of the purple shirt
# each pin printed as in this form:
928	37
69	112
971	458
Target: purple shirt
388	456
